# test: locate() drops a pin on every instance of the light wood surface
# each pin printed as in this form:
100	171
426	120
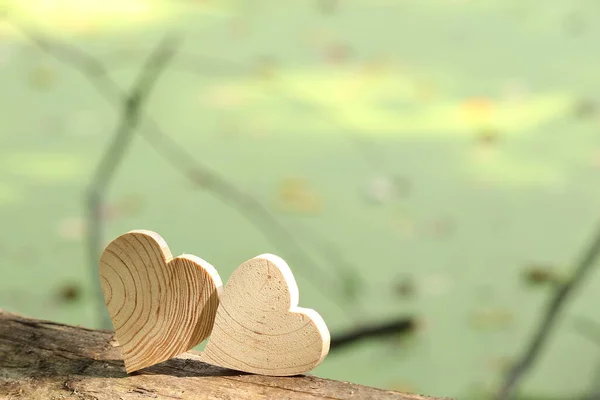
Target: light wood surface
259	327
42	360
160	306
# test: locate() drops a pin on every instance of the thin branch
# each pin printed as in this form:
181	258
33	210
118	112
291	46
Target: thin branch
115	153
130	115
557	302
184	162
389	328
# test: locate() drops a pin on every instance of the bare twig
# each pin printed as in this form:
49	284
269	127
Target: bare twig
396	327
114	154
557	302
183	161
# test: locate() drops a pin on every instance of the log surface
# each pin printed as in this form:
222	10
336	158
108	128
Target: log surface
47	360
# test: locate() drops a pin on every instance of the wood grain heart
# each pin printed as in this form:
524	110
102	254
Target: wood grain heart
160	306
259	327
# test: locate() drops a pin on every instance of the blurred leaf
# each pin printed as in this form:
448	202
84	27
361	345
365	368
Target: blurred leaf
442	227
405	287
295	195
585	108
42	77
488	137
267	67
478	110
403	225
425	90
491	319
72	228
538	274
69	293
435	284
383	189
377	67
239	27
338	53
227	97
574	24
328	7
130	204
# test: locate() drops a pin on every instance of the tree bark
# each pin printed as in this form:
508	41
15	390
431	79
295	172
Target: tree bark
46	360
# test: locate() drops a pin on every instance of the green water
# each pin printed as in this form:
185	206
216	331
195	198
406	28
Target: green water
531	196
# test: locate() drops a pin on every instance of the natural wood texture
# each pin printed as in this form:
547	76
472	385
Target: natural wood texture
45	360
160	306
259	327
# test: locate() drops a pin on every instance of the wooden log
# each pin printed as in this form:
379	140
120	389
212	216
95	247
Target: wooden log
47	360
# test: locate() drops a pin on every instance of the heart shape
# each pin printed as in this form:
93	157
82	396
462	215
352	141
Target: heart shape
259	327
160	306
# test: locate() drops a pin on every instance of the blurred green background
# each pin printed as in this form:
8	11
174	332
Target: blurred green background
433	158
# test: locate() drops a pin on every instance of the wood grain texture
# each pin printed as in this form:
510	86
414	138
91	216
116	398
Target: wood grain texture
160	306
259	327
46	360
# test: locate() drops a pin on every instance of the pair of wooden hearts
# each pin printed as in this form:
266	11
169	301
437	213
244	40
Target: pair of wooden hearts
162	306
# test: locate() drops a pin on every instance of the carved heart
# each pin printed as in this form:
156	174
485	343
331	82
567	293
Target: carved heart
259	327
160	306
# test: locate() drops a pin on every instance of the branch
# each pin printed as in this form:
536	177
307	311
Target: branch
115	153
130	116
396	327
184	162
557	302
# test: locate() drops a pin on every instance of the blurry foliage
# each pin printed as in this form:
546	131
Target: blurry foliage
69	293
404	288
296	195
42	77
491	318
368	106
537	274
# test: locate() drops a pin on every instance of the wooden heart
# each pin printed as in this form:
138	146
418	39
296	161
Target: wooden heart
160	306
259	327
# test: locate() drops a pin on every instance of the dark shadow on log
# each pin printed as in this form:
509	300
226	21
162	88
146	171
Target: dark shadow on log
183	368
